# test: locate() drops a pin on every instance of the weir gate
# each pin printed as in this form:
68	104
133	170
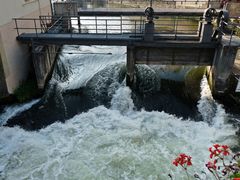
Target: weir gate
161	36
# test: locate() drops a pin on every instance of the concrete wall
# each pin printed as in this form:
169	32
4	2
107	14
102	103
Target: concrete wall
65	8
224	60
3	89
19	8
234	9
15	56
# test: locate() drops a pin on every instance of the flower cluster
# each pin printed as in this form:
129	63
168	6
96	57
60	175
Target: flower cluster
223	163
212	165
183	160
218	150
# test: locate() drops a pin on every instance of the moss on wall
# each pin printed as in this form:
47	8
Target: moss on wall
26	91
192	82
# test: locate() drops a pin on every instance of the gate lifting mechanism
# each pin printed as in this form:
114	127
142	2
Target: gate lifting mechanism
149	13
222	20
149	25
208	34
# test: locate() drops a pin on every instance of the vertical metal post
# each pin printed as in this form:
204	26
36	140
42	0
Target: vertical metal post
176	29
135	28
208	3
96	24
174	24
51	6
79	24
16	26
106	28
140	24
121	24
199	28
70	23
35	27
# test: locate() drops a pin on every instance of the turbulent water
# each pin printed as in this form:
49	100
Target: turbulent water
114	138
114	142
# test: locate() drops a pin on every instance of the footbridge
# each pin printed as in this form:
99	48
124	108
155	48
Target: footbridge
166	37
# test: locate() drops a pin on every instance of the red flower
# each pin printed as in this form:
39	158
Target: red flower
212	165
183	160
225	150
217	150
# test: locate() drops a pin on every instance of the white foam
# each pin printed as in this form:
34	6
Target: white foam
12	111
92	60
207	105
105	144
122	101
110	143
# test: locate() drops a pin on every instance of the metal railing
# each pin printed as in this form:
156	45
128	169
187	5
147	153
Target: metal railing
103	25
111	4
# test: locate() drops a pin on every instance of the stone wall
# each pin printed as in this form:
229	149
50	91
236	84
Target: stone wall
234	9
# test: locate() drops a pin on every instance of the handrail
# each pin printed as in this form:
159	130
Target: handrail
103	25
59	19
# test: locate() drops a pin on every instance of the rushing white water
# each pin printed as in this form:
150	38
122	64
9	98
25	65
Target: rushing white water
110	143
115	143
12	111
83	62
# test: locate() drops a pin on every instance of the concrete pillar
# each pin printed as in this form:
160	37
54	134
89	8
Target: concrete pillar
149	31
130	66
223	63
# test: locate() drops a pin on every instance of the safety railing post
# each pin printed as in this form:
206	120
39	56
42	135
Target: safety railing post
140	24
135	28
79	24
70	23
96	24
16	24
121	24
176	28
35	26
71	29
106	28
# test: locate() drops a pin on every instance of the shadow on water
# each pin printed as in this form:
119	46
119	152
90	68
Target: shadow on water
44	113
170	99
150	92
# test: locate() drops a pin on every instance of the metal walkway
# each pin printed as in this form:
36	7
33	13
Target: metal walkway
113	39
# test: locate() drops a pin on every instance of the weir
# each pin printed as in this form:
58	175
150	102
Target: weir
148	40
